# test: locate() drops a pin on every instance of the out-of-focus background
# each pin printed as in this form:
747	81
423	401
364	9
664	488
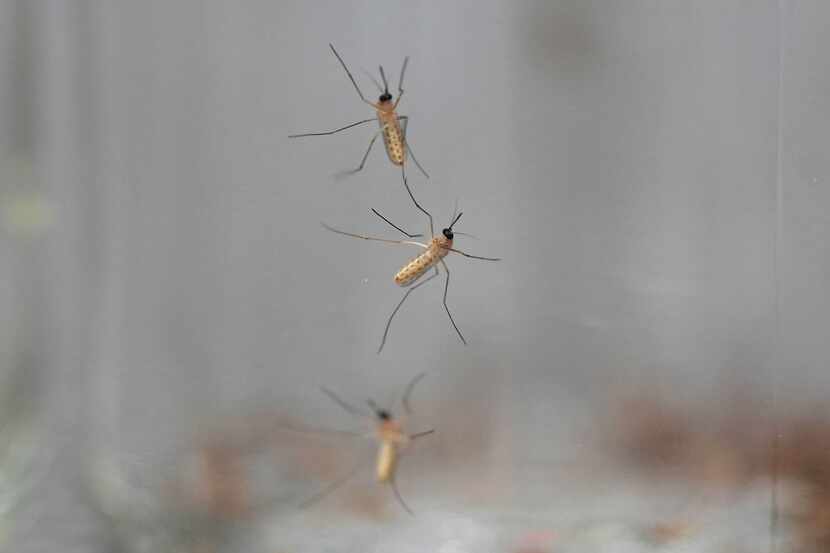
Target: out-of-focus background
646	368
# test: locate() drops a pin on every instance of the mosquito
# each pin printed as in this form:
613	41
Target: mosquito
394	134
433	255
391	437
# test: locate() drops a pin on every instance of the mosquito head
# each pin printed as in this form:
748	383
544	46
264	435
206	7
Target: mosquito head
385	97
381	414
447	232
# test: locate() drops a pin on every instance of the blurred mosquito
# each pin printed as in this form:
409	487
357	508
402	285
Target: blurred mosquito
434	253
391	438
394	134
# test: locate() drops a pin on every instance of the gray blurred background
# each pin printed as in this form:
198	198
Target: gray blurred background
653	174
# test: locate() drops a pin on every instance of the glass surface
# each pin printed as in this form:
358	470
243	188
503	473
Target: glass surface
646	366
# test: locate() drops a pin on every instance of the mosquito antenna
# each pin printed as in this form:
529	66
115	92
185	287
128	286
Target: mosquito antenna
403	70
465	234
383	76
374	80
349	73
408	392
352	410
454	209
399	497
375	211
455	220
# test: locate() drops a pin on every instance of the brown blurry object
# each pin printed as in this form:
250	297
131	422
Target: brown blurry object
652	435
367	503
468	423
216	480
222	487
805	457
668	441
537	542
664	533
735	450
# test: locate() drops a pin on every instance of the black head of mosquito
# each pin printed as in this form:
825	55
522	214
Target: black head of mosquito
382	414
385	97
447	232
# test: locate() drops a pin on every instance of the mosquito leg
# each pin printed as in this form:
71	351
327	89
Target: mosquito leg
474	256
351	409
393	225
412	155
403	71
397	100
405	119
362	237
349	73
331	487
400	303
422	434
409	191
446	287
366	155
400	81
398	496
326	133
408	392
317	431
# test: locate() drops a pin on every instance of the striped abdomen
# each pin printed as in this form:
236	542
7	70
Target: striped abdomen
392	137
428	259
